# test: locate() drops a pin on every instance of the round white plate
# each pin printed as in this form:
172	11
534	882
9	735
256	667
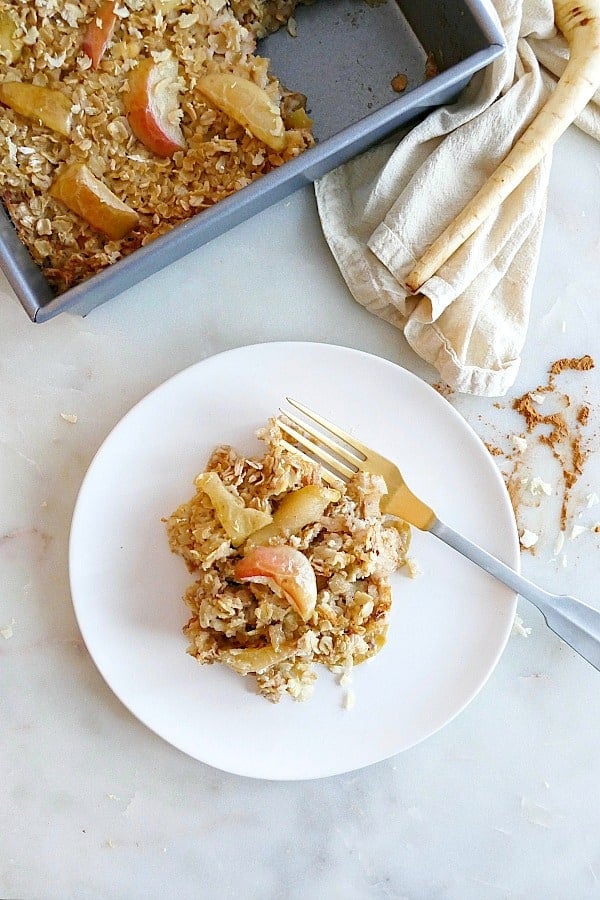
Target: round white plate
449	625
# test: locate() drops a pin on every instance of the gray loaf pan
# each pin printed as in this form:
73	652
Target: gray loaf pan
343	57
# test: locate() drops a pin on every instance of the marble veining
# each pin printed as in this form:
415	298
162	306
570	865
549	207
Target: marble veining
502	803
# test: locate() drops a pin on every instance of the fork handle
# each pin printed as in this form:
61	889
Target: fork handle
576	623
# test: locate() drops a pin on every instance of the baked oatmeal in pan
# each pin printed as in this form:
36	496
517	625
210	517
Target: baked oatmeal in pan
289	570
119	119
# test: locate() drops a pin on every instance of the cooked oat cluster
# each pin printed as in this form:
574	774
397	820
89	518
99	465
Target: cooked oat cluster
121	118
288	570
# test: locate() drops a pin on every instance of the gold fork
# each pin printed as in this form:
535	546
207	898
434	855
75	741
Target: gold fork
342	456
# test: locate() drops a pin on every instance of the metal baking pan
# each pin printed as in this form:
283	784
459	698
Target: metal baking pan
343	57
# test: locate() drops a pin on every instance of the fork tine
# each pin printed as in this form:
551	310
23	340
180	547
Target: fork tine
322	438
326	475
329	426
335	464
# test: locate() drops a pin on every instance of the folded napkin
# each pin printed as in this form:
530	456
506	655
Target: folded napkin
382	209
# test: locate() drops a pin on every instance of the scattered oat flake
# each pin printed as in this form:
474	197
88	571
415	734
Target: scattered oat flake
563	561
576	531
292	27
12	150
563	326
559	543
538	486
592	500
69	417
71	13
519	628
55	62
349	699
413	567
31	36
188	20
529	538
537	398
7	630
520	444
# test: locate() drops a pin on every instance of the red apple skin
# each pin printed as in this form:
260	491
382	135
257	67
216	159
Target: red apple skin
98	36
146	111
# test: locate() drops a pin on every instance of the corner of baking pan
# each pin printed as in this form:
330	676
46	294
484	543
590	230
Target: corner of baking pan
487	19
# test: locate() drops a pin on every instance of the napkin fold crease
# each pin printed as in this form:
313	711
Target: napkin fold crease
382	209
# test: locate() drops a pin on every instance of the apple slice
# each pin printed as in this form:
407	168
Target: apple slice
41	104
153	106
286	571
10	45
246	103
99	32
79	189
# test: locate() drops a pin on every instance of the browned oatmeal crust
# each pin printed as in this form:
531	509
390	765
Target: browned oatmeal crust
221	156
351	548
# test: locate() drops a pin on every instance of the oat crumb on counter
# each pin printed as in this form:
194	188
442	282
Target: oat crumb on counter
520	628
538	486
559	543
7	630
528	539
519	443
413	568
537	397
349	699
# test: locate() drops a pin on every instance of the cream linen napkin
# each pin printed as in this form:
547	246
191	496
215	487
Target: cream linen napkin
381	210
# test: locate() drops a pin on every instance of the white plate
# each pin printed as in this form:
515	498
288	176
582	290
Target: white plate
449	625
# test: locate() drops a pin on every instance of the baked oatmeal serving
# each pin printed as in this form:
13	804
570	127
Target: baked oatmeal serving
120	119
289	571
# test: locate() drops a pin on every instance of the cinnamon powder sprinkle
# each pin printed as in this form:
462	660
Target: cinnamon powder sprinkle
583	415
583	364
492	450
565	442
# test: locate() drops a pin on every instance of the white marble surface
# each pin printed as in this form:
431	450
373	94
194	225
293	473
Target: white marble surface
502	803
